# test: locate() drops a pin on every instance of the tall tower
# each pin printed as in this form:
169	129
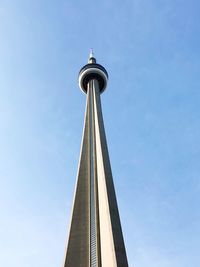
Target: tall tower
95	237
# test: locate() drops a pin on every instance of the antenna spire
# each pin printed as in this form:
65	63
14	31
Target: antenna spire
91	53
91	57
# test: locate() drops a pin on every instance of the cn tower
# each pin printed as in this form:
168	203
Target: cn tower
95	234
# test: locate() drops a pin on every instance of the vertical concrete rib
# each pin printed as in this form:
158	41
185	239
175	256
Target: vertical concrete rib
113	251
78	248
94	257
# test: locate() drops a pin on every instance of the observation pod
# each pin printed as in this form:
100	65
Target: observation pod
93	71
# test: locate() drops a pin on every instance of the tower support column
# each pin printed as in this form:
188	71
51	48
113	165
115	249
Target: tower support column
95	237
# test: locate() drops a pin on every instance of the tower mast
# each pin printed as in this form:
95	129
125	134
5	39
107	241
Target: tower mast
95	237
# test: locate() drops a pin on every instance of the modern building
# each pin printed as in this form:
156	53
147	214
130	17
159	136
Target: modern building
95	236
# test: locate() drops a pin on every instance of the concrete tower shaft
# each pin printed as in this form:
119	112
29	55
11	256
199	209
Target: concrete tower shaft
95	237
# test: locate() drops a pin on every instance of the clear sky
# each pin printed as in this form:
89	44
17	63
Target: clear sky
151	50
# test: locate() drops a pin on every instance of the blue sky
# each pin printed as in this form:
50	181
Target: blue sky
150	49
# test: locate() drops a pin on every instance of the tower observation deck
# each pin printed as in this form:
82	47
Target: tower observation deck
95	235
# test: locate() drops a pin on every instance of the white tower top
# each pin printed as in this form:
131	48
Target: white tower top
91	53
